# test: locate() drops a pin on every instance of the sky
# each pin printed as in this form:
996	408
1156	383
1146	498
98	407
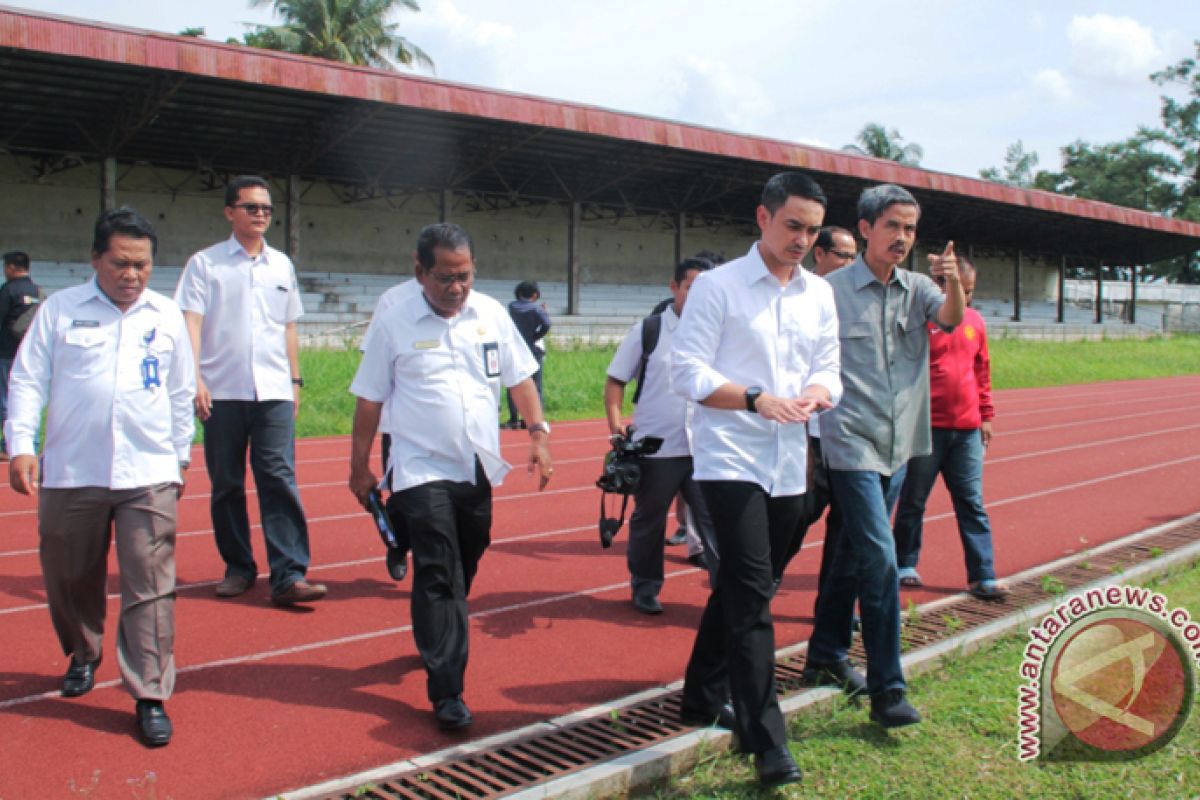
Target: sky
962	79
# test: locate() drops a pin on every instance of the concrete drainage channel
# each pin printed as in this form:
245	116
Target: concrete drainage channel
613	750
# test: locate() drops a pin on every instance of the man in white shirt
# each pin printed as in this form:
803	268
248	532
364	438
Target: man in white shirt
661	413
758	351
241	303
437	360
112	361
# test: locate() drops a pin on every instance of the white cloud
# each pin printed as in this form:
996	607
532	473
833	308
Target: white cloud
710	93
1113	48
464	48
1053	86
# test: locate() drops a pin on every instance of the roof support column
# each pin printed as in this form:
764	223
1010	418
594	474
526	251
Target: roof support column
292	221
108	183
1062	291
1099	293
1133	294
679	222
1016	315
574	217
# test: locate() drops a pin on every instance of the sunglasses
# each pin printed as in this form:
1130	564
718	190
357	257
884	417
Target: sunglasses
254	209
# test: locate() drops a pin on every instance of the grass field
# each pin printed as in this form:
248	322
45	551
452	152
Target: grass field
966	747
574	379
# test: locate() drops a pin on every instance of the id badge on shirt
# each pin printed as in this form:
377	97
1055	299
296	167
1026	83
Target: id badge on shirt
491	359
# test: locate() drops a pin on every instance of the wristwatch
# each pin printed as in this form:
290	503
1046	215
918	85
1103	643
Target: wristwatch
298	382
752	395
542	426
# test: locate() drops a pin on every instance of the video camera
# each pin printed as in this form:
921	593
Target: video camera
621	476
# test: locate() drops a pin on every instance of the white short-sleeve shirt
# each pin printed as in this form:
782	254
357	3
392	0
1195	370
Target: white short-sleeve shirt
247	303
440	380
659	411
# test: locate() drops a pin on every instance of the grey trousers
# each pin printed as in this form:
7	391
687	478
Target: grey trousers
75	529
662	479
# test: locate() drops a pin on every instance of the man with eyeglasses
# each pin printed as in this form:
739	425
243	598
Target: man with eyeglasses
835	248
241	303
437	359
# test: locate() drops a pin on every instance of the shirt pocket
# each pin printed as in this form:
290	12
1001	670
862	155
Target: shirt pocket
858	347
82	353
912	335
277	298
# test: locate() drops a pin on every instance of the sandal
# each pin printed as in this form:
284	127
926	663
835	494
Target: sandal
910	578
988	589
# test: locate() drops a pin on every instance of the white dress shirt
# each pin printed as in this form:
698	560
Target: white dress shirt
659	411
742	327
108	423
247	303
440	381
386	300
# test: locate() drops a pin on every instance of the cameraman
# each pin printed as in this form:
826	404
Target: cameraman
661	413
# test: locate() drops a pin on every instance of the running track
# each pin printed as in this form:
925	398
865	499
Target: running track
272	699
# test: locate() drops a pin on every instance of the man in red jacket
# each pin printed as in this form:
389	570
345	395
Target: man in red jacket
960	388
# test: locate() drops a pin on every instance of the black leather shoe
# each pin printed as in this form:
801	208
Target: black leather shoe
724	718
452	713
839	673
80	678
154	726
397	563
776	767
891	710
647	604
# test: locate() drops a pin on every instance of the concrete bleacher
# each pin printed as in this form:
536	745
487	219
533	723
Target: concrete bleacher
337	307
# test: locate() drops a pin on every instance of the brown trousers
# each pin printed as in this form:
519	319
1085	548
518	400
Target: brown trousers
75	529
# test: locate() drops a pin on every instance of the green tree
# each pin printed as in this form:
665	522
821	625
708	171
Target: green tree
1018	169
876	140
1181	129
195	33
349	31
1131	173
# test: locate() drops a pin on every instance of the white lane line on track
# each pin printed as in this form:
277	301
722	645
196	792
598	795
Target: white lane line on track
1107	402
183	587
355	638
1096	421
1084	445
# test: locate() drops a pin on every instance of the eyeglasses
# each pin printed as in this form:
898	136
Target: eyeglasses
254	209
449	280
844	255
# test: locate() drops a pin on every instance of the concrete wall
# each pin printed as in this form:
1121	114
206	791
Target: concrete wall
51	217
994	275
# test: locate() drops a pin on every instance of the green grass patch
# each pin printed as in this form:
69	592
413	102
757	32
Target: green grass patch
1021	364
966	747
574	377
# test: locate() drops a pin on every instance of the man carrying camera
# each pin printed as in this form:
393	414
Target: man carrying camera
659	413
758	354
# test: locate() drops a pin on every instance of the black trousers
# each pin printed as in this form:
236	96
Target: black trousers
449	526
734	652
817	498
663	479
267	428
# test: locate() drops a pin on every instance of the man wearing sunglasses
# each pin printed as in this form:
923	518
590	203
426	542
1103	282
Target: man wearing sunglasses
241	303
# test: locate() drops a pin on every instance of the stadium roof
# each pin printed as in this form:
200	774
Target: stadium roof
88	90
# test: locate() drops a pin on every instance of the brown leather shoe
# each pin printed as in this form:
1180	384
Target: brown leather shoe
234	585
299	592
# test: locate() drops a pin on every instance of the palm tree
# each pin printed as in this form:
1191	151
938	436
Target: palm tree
349	31
876	140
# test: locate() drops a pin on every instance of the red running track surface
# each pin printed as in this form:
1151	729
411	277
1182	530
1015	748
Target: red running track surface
272	699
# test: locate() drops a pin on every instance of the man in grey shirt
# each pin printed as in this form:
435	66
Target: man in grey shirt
882	420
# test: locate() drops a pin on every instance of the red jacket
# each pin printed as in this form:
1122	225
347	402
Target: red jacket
960	375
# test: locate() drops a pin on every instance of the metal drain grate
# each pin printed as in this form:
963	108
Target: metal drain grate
521	764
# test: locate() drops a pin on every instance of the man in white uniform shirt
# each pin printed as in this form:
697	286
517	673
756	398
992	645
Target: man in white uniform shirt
241	303
437	359
112	361
662	413
758	351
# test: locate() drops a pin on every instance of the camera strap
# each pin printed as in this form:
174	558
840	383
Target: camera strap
609	527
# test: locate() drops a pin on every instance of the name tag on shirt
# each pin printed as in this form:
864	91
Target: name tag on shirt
85	323
426	344
491	359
